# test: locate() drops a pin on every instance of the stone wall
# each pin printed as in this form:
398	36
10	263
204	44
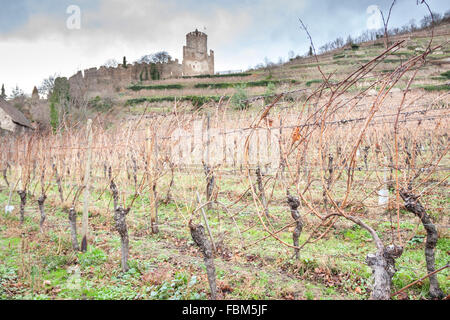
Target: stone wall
196	61
115	77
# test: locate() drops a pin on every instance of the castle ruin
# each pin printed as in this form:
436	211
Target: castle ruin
196	61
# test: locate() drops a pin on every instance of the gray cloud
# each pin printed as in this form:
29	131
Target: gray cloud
241	32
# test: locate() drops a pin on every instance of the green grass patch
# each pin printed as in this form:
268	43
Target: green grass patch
196	100
441	87
439	78
179	288
311	65
339	56
403	54
390	61
446	74
224	85
310	82
242	74
138	87
93	257
54	262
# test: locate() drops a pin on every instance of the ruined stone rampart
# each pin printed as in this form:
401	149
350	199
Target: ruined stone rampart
196	61
112	77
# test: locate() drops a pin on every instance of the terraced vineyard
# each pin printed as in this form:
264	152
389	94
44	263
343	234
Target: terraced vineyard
273	184
301	74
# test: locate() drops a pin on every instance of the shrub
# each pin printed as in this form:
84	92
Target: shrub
239	97
143	76
268	95
101	105
54	117
154	73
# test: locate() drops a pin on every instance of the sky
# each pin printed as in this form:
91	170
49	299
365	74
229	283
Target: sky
39	38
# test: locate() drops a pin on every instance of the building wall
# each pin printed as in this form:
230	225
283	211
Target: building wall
5	122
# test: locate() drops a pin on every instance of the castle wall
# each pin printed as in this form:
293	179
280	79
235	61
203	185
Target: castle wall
196	61
94	79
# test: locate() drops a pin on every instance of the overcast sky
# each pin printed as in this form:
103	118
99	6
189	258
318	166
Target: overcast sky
35	40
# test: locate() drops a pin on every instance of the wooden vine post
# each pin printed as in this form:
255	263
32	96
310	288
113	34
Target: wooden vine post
207	167
152	158
87	175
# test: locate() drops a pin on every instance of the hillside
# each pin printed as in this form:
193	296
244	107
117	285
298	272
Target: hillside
298	74
215	187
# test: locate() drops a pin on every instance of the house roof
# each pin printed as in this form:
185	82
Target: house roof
16	115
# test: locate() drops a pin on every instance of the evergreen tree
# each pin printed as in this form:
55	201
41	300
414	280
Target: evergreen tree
310	53
125	62
3	94
59	101
54	117
154	73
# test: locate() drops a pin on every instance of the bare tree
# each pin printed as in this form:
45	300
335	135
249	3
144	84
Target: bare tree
111	63
386	23
47	85
158	57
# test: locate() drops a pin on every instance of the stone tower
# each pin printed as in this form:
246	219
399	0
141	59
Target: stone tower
196	60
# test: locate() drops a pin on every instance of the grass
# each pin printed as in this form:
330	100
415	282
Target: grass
167	266
446	74
310	82
195	100
224	85
339	56
138	87
242	74
442	87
